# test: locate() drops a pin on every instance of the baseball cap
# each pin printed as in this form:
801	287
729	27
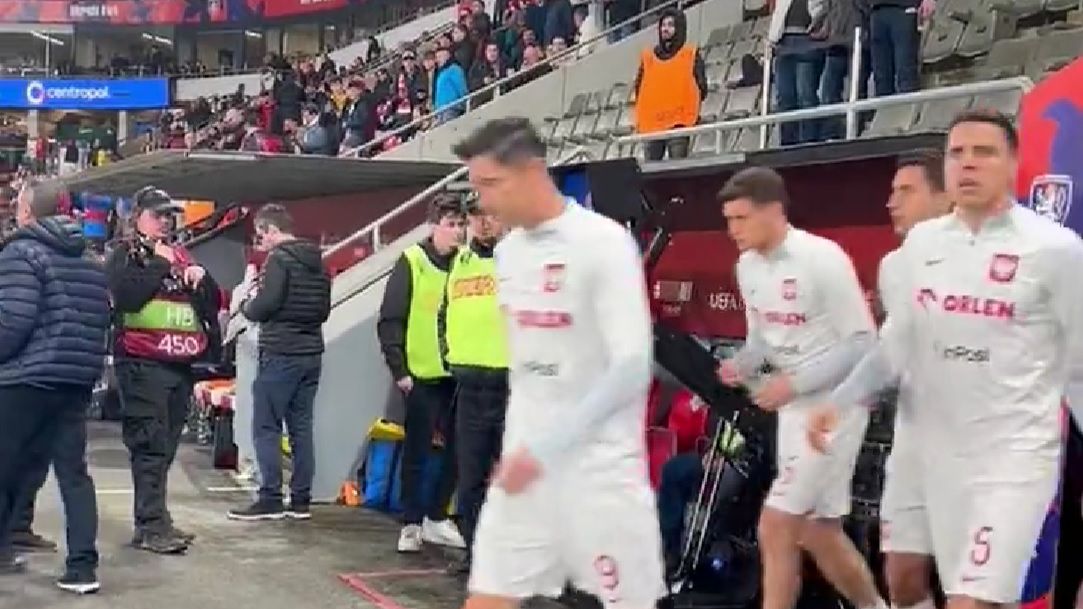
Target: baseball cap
156	199
409	55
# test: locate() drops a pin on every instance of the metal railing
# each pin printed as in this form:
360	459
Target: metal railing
372	230
493	90
851	108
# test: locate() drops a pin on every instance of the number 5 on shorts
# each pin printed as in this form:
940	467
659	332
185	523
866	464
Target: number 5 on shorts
980	548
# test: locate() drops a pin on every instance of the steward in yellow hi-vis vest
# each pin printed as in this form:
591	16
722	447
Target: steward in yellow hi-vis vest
670	85
407	330
474	342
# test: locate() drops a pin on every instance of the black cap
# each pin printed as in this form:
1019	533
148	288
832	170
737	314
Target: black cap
152	198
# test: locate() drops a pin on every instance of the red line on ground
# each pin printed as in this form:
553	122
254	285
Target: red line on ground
397	573
381	601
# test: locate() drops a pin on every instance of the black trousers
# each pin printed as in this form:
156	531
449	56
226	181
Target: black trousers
430	407
154	401
31	418
68	456
480	405
285	392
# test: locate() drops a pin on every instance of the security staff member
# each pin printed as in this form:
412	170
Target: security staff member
166	316
472	339
408	338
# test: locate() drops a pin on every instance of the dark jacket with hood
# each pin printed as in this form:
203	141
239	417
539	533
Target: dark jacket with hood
293	301
54	304
395	309
666	49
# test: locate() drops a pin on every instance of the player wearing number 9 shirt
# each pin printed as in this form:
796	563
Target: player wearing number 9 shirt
570	498
165	318
988	328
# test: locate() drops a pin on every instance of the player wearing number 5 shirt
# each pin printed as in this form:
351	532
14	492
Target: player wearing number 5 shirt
166	317
988	328
808	322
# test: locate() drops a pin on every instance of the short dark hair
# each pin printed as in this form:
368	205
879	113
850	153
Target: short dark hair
931	161
995	118
506	140
48	197
760	185
274	215
445	205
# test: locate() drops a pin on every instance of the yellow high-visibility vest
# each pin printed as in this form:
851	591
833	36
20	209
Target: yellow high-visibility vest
474	329
422	340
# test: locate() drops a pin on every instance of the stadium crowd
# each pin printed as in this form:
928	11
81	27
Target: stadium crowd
315	106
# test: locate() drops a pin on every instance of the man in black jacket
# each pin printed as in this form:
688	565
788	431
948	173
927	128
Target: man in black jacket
54	304
166	316
291	304
407	330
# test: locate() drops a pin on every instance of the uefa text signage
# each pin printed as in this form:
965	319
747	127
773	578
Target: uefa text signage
84	94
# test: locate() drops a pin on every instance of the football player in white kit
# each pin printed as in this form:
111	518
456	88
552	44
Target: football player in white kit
917	194
987	326
809	321
570	498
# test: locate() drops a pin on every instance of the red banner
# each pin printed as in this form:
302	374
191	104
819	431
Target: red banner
159	12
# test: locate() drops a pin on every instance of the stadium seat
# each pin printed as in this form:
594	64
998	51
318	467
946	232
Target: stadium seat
583	127
708	144
717	73
607	122
942	39
983	30
755	6
1020	8
597	149
1056	6
626	122
718	54
892	121
1008	58
720	36
618	96
713	106
937	115
1057	49
760	27
741	30
552	153
563	130
743	47
742	102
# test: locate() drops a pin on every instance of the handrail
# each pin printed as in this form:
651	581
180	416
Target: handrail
373	227
972	89
494	88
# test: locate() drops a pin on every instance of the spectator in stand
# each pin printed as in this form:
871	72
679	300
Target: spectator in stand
487	70
327	65
372	53
405	106
586	29
288	98
841	17
411	75
895	42
358	125
382	88
450	87
510	38
256	139
314	135
559	22
337	96
536	14
463	50
619	11
519	51
557	46
669	87
481	25
428	64
799	64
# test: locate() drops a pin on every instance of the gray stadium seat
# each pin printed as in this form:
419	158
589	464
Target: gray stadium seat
1061	5
711	144
1006	102
618	96
742	103
942	39
719	36
984	30
717	74
712	108
755	6
1058	48
717	54
937	115
742	30
563	130
552	153
1008	58
577	105
597	150
747	46
749	139
607	122
626	122
583	128
892	121
1020	8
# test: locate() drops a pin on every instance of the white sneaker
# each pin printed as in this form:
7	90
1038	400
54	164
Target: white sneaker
442	533
410	538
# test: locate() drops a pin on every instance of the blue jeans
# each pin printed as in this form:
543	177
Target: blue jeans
284	392
681	479
833	89
798	68
894	44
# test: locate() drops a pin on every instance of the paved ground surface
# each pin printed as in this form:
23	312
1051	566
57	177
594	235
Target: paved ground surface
232	565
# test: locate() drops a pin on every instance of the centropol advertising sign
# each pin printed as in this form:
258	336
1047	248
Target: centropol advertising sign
78	94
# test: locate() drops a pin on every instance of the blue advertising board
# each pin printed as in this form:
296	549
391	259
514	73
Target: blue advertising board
84	94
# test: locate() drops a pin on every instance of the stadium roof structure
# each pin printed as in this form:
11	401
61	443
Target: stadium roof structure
253	177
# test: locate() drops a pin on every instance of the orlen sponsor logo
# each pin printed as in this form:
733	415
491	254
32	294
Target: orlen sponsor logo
482	285
37	93
542	319
963	353
960	304
781	318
